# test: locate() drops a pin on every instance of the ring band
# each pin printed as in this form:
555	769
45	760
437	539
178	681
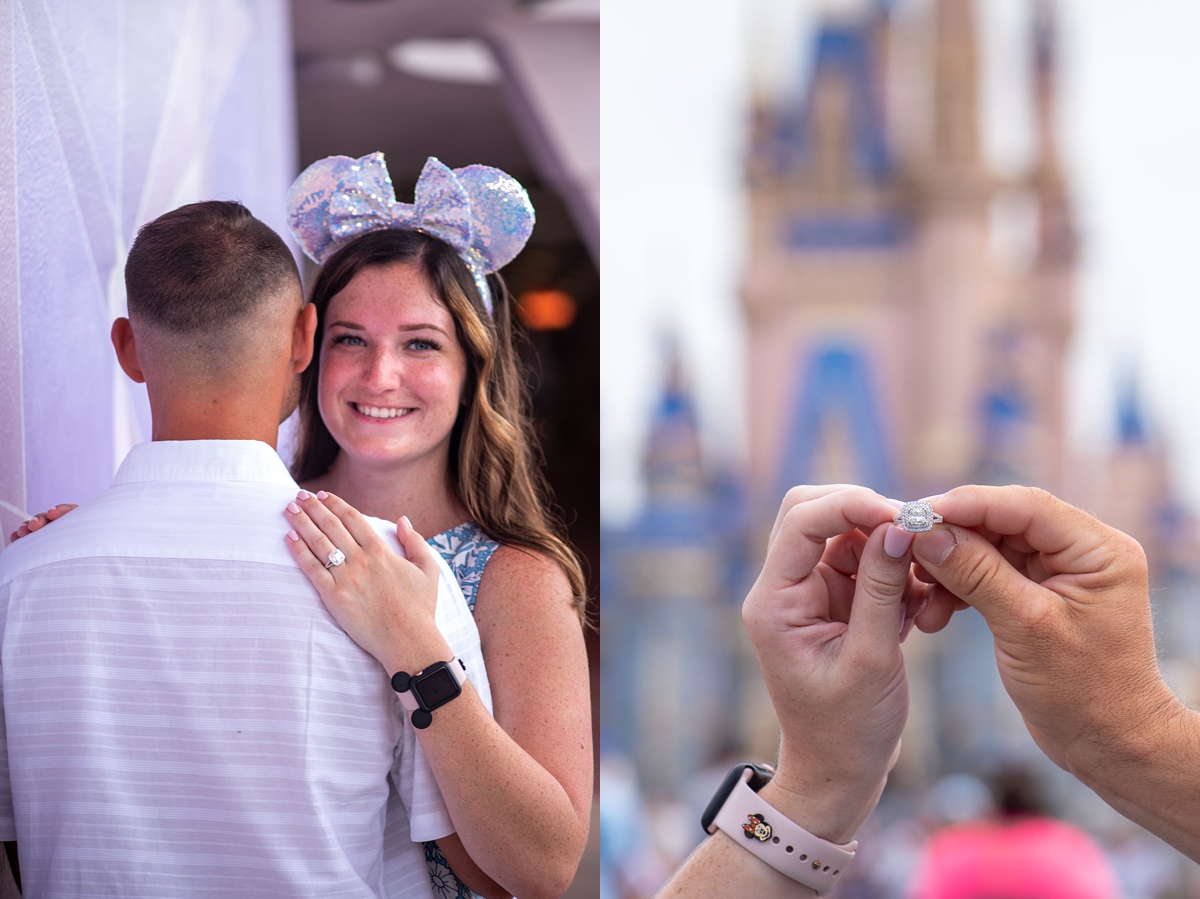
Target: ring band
337	557
917	517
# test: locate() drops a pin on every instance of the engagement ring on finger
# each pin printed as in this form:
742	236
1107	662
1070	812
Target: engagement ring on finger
337	557
917	517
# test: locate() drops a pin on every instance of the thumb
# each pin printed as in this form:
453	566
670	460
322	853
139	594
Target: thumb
973	569
880	586
416	550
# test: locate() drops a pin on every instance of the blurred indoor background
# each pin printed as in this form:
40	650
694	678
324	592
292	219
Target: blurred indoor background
112	113
905	244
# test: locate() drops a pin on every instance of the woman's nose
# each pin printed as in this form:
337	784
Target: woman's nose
384	370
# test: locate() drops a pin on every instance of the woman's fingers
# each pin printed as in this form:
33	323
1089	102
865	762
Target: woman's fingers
317	528
354	522
313	568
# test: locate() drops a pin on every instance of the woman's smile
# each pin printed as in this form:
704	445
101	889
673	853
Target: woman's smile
381	412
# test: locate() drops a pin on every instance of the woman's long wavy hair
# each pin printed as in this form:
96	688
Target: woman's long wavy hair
494	467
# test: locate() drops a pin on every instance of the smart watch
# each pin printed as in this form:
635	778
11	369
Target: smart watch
737	810
427	690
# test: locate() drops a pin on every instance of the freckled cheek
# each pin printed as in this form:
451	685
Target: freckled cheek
334	377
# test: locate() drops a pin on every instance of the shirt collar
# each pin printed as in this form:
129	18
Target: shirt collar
204	460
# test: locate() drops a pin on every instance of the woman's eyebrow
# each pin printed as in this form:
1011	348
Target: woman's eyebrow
421	327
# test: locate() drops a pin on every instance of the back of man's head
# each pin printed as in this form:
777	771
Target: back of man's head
217	326
203	266
206	283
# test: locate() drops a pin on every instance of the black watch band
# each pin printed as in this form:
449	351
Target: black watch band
430	689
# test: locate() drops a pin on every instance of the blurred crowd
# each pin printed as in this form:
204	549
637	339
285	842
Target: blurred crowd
960	837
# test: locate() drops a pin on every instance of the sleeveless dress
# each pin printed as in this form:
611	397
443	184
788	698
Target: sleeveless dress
466	549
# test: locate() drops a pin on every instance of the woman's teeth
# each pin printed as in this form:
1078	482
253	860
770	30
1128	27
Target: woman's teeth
380	412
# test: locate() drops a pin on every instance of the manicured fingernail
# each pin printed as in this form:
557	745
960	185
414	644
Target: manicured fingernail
293	536
321	494
407	523
293	508
896	541
895	502
303	495
933	548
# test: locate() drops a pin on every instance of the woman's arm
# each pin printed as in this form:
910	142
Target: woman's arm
518	786
523	790
825	617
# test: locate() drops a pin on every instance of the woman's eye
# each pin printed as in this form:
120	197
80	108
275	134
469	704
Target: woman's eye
349	340
421	343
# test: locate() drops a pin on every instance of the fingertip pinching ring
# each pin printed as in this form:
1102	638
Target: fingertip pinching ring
337	557
917	516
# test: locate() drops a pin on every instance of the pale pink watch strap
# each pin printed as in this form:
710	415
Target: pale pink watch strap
780	842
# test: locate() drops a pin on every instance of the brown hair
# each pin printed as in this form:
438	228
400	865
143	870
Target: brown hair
494	469
205	266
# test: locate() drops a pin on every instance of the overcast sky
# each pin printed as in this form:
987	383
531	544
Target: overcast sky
674	88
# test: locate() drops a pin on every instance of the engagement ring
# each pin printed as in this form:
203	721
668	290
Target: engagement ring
917	517
337	557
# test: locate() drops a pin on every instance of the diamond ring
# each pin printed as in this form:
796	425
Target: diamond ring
917	517
337	557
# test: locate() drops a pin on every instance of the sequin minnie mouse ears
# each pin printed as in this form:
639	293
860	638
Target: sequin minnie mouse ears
483	213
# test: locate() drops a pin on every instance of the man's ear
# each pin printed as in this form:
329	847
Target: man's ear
302	337
126	347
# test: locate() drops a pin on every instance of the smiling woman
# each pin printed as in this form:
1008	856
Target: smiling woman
415	406
391	378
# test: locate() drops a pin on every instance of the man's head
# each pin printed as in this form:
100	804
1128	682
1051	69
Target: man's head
216	324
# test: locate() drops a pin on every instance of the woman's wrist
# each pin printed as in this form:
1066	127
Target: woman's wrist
421	649
832	808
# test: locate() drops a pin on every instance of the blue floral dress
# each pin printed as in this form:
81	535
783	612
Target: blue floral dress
466	549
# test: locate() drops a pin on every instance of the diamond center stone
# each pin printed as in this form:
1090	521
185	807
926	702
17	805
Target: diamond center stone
916	516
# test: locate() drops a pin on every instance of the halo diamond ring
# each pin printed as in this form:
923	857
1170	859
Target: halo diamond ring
337	557
917	516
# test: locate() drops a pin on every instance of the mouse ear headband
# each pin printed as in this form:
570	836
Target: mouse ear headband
483	213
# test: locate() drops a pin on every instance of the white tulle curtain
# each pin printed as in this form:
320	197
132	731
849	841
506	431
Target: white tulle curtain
110	114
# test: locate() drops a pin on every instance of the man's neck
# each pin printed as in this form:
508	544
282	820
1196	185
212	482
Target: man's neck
215	420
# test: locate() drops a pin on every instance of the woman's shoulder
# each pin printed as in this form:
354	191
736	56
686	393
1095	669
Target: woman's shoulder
526	579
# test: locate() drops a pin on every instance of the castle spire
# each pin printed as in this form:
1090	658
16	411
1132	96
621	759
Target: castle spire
956	140
1045	81
1057	238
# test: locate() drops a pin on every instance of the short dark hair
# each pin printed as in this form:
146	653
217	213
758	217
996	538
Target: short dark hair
204	266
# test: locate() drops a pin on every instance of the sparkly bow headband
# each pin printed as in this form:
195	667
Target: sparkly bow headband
484	214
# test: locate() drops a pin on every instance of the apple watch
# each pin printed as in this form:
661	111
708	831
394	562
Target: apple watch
737	810
427	690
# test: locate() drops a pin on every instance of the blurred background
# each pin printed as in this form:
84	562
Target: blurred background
906	244
113	113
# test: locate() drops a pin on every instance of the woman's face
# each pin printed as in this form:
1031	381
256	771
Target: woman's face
392	370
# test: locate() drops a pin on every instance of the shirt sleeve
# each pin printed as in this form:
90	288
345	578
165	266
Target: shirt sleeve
418	791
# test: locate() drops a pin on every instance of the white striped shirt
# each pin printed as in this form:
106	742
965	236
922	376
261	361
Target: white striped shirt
182	716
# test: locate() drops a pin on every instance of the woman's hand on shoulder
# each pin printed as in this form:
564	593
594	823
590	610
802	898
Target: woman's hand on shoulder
383	600
41	520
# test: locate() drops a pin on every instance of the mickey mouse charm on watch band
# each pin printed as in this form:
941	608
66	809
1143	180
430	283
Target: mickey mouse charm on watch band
917	517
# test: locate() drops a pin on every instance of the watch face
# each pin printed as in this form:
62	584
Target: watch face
437	686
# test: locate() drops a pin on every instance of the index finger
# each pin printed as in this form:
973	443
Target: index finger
802	530
352	520
1037	521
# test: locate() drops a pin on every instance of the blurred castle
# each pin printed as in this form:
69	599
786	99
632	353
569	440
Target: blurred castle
908	315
